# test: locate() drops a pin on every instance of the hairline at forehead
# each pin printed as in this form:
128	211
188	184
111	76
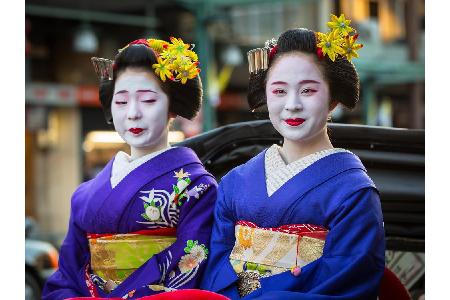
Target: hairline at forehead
307	55
135	69
141	70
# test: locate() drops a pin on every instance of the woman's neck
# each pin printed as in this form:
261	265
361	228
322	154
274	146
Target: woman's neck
294	150
142	151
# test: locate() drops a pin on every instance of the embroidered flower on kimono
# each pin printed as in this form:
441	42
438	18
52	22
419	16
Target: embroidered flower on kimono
195	192
179	189
196	253
199	253
152	212
187	263
190	244
181	174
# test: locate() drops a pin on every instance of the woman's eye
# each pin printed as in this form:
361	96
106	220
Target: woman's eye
308	91
120	102
149	101
279	92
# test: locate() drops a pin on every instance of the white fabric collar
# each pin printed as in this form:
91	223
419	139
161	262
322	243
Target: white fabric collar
278	172
123	165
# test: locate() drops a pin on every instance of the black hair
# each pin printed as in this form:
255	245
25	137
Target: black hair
341	75
184	99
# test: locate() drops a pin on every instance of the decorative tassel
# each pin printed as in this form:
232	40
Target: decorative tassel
296	271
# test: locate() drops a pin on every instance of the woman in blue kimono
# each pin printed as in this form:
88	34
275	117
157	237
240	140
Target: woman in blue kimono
302	220
142	225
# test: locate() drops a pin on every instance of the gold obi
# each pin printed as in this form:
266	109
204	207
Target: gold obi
263	252
115	257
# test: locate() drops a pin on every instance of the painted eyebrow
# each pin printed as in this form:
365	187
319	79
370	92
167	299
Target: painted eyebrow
278	82
138	91
145	91
301	82
121	92
308	81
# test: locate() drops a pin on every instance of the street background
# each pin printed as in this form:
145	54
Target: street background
67	140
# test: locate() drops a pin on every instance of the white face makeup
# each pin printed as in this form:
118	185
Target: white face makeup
297	98
140	109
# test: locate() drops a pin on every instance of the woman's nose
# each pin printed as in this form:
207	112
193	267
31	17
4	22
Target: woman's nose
134	111
293	103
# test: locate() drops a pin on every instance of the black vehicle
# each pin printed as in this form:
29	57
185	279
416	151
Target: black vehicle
394	158
41	260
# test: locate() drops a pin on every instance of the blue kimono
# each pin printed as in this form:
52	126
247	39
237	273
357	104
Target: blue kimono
171	192
334	193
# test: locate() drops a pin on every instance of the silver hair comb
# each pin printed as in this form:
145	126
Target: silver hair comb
103	67
258	59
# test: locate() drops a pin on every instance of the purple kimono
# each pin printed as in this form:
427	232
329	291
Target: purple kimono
171	190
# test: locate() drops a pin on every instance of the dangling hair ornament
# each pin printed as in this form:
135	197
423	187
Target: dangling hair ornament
175	60
258	59
339	41
103	67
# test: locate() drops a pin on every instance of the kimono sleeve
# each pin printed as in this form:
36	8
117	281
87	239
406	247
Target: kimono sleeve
181	265
219	271
352	263
184	262
68	280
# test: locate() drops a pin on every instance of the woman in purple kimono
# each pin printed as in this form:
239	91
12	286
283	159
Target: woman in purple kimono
302	220
142	226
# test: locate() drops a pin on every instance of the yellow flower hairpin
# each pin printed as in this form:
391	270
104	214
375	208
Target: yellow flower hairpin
340	25
162	69
340	41
351	46
176	60
330	44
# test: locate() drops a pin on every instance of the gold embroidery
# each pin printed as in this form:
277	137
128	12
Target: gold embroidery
272	252
265	253
283	246
310	249
245	236
116	257
260	241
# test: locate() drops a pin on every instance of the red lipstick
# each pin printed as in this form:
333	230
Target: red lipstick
294	122
135	130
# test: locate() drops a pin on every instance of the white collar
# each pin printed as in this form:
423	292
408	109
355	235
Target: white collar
278	172
123	164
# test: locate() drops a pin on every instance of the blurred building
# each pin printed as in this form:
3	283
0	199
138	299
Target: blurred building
67	139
